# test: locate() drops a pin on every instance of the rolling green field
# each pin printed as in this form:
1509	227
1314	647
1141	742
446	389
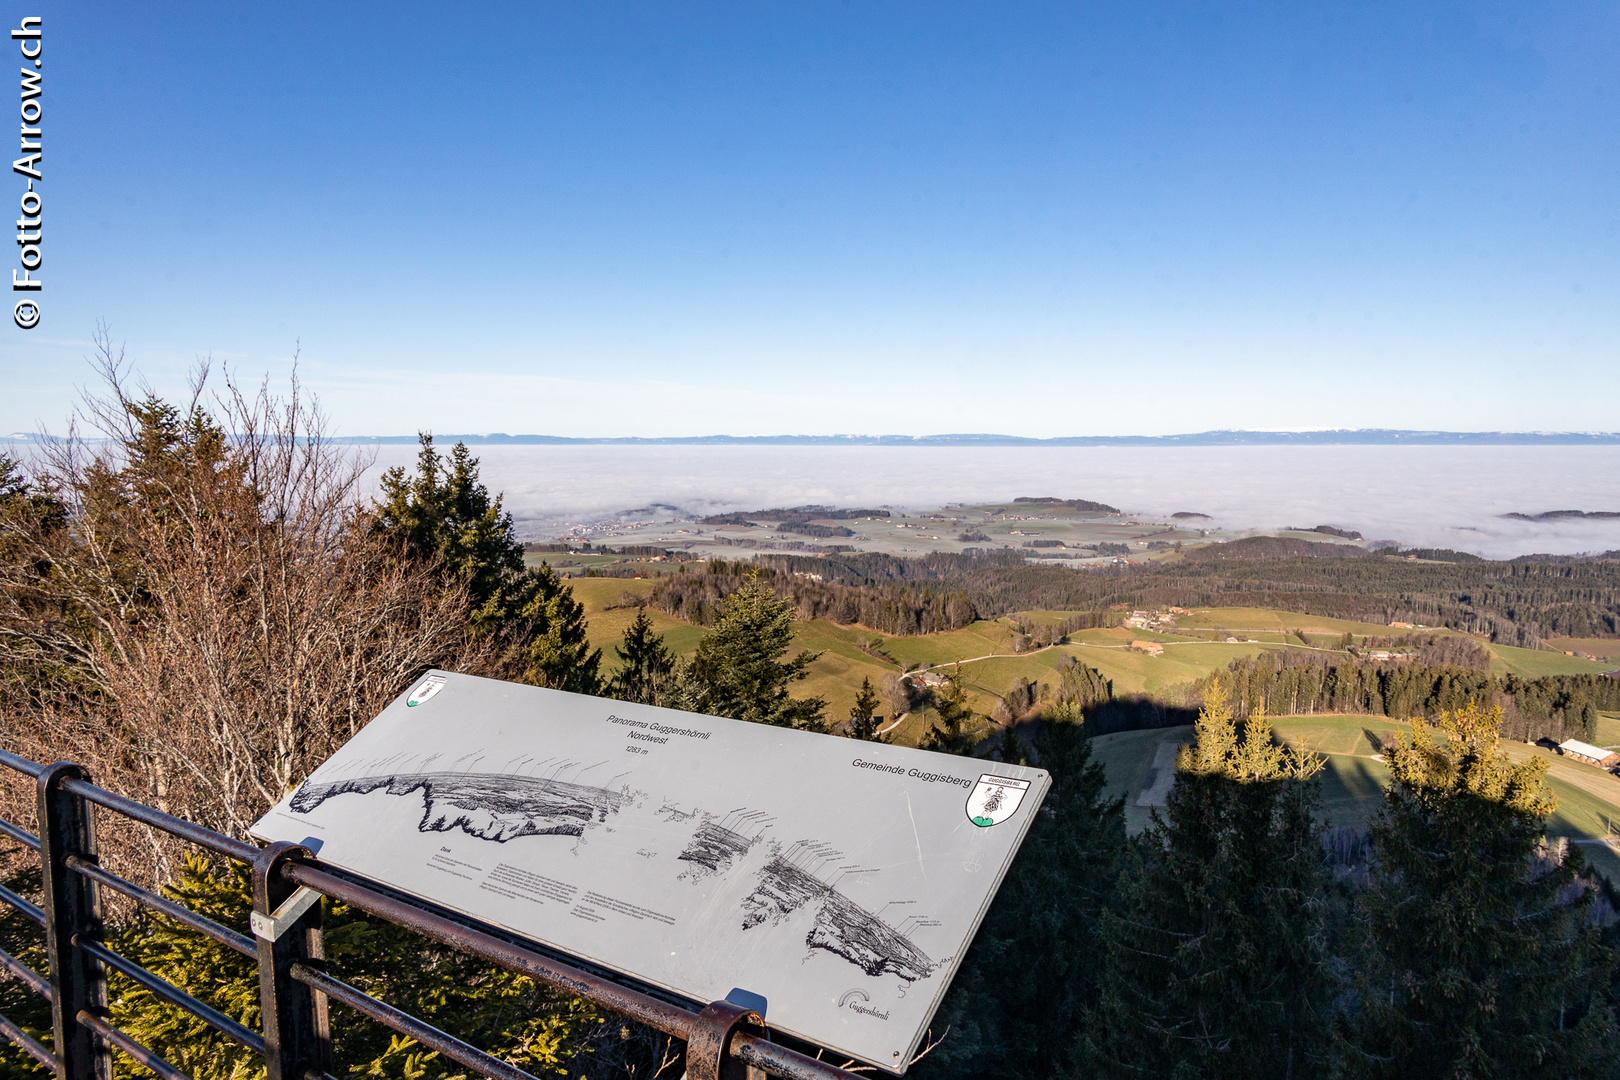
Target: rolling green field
1269	620
1608	730
1505	659
576	565
989	666
1352	781
1602	648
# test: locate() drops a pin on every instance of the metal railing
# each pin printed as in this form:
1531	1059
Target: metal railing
723	1041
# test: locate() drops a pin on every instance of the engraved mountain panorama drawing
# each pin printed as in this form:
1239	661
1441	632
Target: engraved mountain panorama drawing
489	806
842	927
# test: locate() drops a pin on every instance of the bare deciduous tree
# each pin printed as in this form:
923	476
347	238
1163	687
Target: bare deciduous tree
895	694
209	617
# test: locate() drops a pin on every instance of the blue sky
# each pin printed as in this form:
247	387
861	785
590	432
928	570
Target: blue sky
674	219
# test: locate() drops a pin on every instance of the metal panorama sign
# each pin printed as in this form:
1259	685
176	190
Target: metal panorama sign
838	880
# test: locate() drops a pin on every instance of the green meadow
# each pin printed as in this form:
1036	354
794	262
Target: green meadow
1352	780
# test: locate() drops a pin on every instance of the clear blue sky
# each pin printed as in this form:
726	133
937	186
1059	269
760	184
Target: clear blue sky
665	219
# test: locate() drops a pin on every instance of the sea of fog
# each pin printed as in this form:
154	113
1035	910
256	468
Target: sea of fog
1421	496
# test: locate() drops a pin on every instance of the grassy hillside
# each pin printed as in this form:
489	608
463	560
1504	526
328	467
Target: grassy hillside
1240	619
1351	782
1603	648
1505	659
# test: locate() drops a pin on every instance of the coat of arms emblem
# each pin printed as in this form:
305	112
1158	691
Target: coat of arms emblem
429	686
994	799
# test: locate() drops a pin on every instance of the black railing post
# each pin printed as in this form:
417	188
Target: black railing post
708	1049
72	911
287	931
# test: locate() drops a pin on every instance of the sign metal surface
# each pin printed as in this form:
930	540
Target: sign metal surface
840	881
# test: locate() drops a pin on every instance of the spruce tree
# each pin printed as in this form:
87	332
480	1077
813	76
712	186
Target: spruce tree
511	1016
443	511
1216	962
1481	961
863	718
550	646
953	731
739	670
645	663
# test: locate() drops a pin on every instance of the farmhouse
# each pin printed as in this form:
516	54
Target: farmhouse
1152	648
1592	755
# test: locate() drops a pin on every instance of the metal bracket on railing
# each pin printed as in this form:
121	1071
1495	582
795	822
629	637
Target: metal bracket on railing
287	923
271	927
708	1050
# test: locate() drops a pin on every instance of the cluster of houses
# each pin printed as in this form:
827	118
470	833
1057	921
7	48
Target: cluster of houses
1154	620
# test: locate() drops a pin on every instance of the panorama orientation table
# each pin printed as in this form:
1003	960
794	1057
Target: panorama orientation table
830	884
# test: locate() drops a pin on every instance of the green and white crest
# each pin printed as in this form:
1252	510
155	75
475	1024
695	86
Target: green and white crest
994	799
426	689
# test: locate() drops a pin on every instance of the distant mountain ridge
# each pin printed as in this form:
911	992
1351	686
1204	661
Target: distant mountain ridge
1338	437
1334	437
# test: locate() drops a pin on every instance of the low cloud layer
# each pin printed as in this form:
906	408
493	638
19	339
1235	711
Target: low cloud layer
1420	496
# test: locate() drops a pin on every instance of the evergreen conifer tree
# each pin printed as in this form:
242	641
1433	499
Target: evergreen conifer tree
863	718
1481	960
1216	961
645	663
512	1016
444	511
739	670
952	732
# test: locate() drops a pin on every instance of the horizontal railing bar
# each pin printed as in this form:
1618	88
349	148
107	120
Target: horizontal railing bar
178	912
33	911
667	1018
782	1061
36	982
406	1024
135	1050
21	764
172	994
670	1019
185	830
22	1039
19	834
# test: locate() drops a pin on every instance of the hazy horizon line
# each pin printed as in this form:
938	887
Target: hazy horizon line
1220	437
1223	437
